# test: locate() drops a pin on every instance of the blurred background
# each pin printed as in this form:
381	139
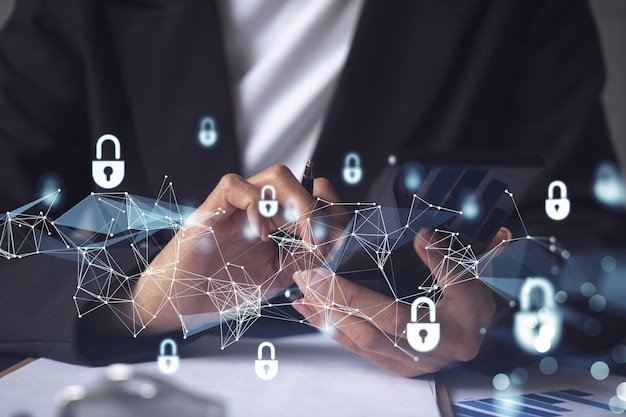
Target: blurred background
610	16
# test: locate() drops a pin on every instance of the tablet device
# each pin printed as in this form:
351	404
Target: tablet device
464	192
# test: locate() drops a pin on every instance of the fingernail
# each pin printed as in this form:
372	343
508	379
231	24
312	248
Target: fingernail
320	282
254	227
509	234
298	277
320	276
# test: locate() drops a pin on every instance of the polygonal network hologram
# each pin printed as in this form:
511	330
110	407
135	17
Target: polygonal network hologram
114	237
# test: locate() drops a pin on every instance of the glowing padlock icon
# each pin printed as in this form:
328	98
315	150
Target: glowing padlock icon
268	207
168	362
557	208
266	369
108	174
608	187
537	331
352	170
207	132
423	337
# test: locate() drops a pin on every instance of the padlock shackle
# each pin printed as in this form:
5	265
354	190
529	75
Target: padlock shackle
562	187
207	120
116	143
268	345
272	190
165	343
431	309
532	283
352	156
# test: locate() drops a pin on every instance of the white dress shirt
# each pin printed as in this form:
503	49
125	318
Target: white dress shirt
285	58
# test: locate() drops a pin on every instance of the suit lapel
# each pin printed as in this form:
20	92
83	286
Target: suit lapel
400	63
174	72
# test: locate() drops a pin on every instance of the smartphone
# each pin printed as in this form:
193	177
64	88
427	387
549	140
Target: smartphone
465	192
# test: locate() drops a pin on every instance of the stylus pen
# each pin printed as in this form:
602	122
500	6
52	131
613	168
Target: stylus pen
293	293
307	177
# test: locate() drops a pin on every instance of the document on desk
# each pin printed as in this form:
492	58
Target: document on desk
569	393
316	377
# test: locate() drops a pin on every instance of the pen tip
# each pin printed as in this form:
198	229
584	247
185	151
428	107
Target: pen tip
308	169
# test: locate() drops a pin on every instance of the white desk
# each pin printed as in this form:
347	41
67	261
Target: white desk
316	377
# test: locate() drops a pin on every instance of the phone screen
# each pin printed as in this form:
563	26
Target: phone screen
464	193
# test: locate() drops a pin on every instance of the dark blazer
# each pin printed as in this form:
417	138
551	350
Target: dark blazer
422	74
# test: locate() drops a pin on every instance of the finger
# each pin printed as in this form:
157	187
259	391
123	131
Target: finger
303	218
330	217
448	263
235	193
366	321
468	307
502	237
322	289
324	189
297	213
315	220
232	196
433	246
289	191
363	338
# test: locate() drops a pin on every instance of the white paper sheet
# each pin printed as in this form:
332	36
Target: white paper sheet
316	377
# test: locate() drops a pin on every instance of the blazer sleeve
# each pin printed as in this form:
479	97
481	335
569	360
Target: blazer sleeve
554	109
43	132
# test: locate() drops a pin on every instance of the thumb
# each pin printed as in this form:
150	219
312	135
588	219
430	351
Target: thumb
433	248
501	237
421	244
447	265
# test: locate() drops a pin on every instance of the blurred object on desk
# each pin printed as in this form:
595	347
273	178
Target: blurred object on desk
125	394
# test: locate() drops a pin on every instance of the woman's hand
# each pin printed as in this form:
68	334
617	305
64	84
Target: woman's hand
374	325
222	259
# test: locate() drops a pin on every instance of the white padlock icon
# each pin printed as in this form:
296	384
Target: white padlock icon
268	207
168	362
423	337
110	173
207	132
557	208
537	331
266	369
352	170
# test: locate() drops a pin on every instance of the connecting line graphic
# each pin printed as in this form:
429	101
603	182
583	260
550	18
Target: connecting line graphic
115	237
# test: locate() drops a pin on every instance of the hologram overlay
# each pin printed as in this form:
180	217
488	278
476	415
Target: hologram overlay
113	237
